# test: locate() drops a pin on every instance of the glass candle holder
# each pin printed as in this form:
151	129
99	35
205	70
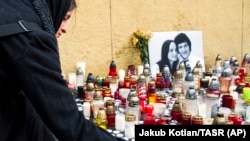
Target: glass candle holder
246	94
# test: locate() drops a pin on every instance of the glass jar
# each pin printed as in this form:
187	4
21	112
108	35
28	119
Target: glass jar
106	92
158	84
112	70
133	106
197	120
199	66
120	121
166	78
178	83
113	85
87	108
79	77
191	101
90	91
225	80
219	119
227	101
197	77
235	79
110	111
131	72
151	95
186	118
101	118
97	102
141	86
183	70
189	82
109	102
149	118
176	112
245	63
130	121
214	88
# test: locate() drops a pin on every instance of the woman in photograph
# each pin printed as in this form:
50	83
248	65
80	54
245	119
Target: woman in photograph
169	57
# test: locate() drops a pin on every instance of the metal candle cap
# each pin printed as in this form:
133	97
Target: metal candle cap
181	66
130	117
191	94
226	72
142	78
101	113
178	73
232	59
98	94
189	77
166	70
218	57
199	64
226	64
196	71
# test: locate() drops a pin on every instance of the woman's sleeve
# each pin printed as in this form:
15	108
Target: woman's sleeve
39	75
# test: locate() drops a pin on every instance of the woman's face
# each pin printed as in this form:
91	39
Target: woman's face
63	27
172	53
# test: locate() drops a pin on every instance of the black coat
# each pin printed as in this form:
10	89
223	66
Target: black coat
35	102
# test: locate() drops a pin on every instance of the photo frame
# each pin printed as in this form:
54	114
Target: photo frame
158	38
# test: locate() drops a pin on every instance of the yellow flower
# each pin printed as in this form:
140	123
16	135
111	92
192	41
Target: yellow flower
134	41
140	40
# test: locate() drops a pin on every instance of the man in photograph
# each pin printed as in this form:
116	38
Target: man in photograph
184	48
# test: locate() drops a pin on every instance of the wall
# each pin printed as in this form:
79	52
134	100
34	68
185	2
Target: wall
100	30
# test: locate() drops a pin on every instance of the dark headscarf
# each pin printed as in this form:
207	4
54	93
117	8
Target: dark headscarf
51	12
58	8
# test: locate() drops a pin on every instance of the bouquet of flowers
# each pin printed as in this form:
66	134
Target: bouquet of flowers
140	40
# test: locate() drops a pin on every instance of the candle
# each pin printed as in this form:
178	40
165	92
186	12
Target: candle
72	78
140	69
82	65
246	93
87	108
120	122
121	74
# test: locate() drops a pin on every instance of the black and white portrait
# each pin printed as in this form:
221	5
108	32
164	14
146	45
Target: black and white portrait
171	48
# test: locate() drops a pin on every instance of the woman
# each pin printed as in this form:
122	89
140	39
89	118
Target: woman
169	57
35	102
63	27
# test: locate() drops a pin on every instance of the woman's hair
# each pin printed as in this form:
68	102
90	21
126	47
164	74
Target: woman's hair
72	5
164	57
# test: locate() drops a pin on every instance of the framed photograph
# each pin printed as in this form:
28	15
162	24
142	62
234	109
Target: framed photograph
185	46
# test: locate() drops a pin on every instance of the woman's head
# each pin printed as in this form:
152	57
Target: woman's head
168	55
63	27
72	5
169	51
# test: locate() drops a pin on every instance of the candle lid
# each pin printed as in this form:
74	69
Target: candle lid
130	117
189	77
